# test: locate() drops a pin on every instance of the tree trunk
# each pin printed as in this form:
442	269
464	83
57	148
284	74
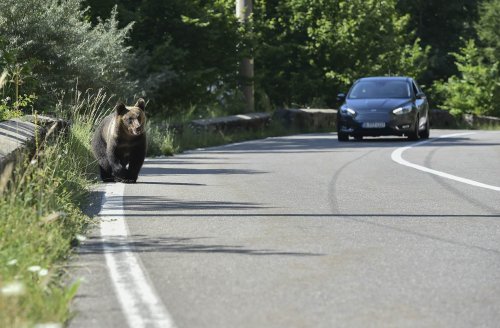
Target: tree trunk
244	9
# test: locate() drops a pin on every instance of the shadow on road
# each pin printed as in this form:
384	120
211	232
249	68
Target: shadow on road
326	143
149	204
145	244
157	170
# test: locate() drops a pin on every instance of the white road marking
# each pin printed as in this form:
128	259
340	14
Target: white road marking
140	304
398	158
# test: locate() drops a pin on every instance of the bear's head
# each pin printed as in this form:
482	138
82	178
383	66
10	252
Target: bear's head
132	118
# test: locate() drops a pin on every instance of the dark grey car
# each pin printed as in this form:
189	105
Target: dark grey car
378	106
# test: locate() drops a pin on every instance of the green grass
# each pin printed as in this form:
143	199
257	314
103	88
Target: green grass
168	142
41	222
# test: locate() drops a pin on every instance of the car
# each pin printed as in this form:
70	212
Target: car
382	106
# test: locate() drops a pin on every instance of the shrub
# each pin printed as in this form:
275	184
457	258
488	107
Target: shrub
474	90
53	46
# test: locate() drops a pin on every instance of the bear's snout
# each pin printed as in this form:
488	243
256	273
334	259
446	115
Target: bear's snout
137	131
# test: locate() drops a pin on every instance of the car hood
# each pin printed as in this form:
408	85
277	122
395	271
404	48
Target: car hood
386	104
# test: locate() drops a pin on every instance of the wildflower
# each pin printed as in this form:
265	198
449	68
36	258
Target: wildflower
15	288
49	325
80	238
12	262
43	272
33	162
34	268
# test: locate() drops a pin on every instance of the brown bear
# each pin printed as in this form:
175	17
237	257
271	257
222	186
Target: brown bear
119	143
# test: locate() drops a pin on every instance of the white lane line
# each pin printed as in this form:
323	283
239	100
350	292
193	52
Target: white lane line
140	304
397	156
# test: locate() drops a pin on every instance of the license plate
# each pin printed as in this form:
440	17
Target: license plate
373	125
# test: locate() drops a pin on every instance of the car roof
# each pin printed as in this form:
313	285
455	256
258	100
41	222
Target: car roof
389	78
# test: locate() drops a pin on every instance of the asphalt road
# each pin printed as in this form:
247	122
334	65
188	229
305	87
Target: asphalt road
305	231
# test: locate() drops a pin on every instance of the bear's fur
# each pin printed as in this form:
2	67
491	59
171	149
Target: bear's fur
119	143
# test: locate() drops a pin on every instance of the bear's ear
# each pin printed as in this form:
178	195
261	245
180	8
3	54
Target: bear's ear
141	104
120	108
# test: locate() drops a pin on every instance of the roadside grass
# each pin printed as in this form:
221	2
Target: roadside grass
486	126
169	142
41	222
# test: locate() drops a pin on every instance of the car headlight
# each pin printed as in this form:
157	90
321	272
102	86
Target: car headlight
401	110
348	111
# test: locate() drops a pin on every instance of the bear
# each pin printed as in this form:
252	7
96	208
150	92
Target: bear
119	143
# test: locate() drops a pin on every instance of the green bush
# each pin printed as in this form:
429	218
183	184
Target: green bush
476	88
50	46
309	50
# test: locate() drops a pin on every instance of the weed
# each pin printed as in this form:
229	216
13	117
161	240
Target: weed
160	141
41	201
189	138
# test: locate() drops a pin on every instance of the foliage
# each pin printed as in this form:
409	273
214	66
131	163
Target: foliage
186	50
304	51
160	141
311	49
40	201
476	87
13	109
49	46
488	29
41	220
441	26
472	90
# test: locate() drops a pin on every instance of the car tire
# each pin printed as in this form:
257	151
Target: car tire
358	138
426	132
342	136
414	135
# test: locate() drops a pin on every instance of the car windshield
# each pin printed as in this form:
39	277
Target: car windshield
380	89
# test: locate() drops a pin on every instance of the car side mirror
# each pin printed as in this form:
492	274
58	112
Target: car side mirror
341	97
420	95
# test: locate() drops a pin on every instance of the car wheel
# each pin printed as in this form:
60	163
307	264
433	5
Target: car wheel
358	138
342	136
425	134
414	135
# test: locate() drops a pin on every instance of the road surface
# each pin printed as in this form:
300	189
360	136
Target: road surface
302	231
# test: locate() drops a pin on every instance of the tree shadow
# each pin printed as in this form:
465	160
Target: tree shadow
146	244
158	170
314	143
162	204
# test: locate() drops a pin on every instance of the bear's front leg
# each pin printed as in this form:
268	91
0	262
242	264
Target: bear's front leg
135	165
126	177
121	175
106	174
117	168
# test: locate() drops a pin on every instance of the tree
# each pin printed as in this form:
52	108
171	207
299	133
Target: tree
476	87
53	48
440	25
488	29
472	91
307	50
186	51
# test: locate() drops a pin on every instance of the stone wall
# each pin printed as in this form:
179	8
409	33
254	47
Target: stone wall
19	136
